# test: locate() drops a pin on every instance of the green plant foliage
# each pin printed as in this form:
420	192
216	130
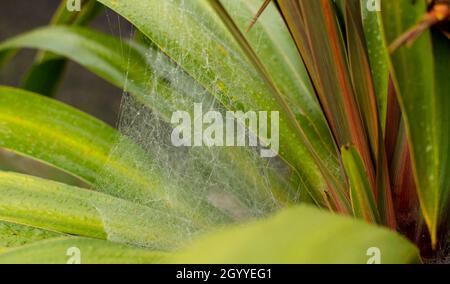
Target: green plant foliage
92	251
15	235
418	72
378	57
314	236
301	235
80	145
363	200
364	132
61	208
176	33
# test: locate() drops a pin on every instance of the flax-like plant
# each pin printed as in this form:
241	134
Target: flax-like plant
363	95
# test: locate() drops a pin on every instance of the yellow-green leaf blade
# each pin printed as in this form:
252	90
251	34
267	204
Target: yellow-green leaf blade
15	235
302	235
86	251
362	197
61	208
376	49
70	140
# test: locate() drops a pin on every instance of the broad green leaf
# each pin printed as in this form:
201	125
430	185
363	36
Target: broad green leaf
14	162
103	55
90	251
362	197
418	72
441	49
79	143
301	235
61	208
194	38
70	140
15	235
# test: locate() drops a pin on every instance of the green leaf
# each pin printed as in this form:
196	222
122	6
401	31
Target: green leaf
322	46
422	88
361	75
362	197
61	208
103	55
378	56
319	157
341	81
5	56
360	59
441	49
44	76
31	124
72	141
301	235
15	235
91	251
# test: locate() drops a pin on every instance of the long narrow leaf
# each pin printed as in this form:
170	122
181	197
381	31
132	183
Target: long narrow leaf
281	59
61	208
363	199
14	235
322	47
80	144
81	251
376	49
423	95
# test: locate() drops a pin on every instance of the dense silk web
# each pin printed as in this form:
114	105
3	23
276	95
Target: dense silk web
187	190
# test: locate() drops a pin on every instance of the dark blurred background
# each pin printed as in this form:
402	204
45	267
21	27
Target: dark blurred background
79	87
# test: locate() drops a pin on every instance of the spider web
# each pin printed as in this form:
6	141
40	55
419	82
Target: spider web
197	188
